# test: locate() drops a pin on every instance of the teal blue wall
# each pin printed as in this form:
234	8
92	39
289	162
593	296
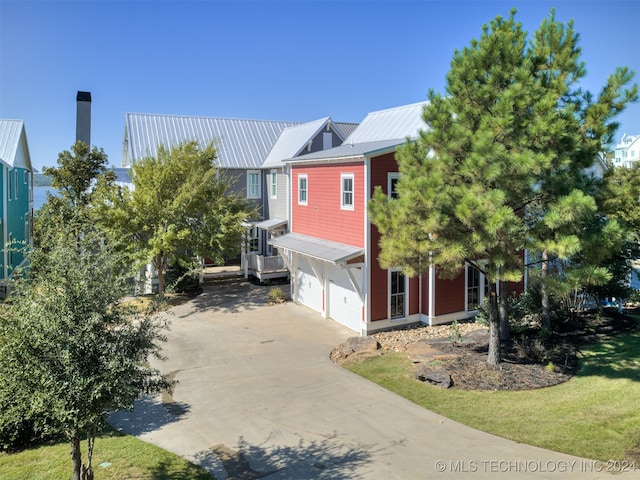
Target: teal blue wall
17	213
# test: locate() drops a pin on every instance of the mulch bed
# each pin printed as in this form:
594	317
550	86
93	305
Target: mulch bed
528	363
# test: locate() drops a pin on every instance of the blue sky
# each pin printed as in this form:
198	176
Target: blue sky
274	60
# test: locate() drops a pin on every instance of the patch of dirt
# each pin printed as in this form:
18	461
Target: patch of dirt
528	360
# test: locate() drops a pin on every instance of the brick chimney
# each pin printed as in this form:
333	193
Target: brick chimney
83	117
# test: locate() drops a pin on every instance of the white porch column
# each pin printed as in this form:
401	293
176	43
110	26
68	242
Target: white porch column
432	293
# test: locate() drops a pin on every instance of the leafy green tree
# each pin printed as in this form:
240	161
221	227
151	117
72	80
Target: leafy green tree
70	352
497	157
80	172
180	208
619	243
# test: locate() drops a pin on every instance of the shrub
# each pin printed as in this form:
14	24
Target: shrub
181	279
276	295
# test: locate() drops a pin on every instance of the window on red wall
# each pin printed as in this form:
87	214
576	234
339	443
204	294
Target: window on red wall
346	191
397	294
303	187
392	184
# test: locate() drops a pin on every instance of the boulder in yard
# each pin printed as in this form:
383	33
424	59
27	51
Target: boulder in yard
433	375
353	347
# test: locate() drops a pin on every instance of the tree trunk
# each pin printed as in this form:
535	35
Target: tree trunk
546	313
159	264
87	472
493	357
504	312
76	457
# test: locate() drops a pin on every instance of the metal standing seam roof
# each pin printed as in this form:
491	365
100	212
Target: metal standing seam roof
393	123
271	223
378	133
344	151
292	141
10	132
324	250
241	144
347	128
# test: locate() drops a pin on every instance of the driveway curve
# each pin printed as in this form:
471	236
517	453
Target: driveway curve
258	397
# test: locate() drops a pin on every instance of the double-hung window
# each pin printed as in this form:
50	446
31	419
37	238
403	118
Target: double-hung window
273	176
393	184
253	184
303	189
397	294
474	290
346	191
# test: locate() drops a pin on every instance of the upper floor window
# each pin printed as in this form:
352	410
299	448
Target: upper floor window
393	184
346	191
303	187
253	184
274	184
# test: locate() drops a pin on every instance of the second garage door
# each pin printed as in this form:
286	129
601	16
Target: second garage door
345	306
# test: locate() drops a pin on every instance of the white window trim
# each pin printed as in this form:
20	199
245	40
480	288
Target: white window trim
306	190
482	287
405	307
253	235
390	177
343	177
249	184
273	185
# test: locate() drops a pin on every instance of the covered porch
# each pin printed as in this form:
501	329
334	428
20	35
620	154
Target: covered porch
259	258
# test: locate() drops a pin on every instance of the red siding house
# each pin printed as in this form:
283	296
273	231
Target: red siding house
331	249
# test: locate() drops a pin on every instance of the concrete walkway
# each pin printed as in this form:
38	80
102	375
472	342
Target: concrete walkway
258	397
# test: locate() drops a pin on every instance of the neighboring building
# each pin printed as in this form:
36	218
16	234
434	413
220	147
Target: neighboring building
332	248
16	201
627	151
242	144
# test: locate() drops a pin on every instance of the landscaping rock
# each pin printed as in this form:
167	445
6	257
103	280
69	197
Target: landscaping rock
353	347
477	337
398	340
433	375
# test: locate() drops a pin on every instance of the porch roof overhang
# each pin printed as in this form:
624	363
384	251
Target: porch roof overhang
325	250
271	224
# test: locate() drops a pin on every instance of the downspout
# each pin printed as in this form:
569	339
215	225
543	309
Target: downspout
432	289
288	209
366	278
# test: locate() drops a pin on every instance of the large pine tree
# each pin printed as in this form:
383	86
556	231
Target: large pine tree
509	135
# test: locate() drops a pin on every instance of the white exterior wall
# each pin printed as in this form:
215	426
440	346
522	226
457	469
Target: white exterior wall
627	152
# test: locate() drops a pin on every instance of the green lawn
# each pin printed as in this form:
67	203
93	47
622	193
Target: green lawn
595	415
123	457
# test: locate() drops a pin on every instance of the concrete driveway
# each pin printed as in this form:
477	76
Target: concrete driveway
258	397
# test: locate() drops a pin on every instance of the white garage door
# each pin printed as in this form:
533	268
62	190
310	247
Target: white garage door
308	287
345	306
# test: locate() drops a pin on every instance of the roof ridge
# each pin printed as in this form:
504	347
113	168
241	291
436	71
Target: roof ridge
211	118
399	107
